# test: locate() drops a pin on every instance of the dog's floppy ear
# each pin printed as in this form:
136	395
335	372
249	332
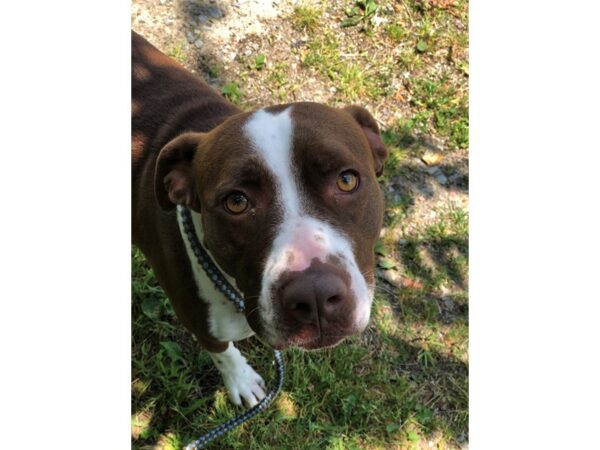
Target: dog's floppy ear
371	130
173	176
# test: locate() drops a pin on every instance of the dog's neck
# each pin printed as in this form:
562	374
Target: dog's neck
226	321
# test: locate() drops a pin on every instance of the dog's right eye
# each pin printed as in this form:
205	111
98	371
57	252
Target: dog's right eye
236	203
347	181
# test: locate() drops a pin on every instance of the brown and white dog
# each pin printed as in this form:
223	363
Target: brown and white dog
285	200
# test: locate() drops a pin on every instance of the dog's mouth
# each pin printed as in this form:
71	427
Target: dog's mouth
320	342
308	338
311	344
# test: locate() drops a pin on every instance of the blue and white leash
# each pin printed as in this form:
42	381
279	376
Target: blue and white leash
234	296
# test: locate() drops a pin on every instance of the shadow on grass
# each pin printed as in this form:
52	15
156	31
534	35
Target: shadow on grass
433	260
346	397
371	390
429	315
199	15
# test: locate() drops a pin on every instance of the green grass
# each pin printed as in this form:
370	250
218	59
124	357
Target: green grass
306	17
279	83
440	109
233	92
260	61
177	52
426	43
396	32
351	80
362	12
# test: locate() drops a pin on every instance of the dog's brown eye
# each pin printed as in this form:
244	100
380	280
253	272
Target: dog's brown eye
347	181
236	203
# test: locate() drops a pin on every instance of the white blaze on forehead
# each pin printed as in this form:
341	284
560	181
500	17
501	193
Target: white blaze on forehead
299	238
271	137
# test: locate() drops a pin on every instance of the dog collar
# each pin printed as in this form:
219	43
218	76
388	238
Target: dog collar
207	263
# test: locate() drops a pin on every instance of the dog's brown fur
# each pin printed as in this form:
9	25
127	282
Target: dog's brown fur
176	112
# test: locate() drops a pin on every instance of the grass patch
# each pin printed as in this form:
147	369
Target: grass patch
306	18
233	92
440	109
177	52
352	81
396	32
362	12
279	83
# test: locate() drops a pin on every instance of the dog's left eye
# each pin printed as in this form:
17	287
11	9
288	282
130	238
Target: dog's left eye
236	203
347	181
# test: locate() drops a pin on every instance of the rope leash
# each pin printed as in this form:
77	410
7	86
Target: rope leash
226	427
233	295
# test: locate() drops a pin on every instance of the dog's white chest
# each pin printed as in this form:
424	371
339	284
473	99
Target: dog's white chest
225	322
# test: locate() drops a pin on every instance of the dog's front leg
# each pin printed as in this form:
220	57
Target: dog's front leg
242	382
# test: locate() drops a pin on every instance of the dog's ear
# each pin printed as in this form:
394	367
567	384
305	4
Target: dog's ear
371	130
173	176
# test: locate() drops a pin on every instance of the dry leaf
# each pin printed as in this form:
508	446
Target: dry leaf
431	157
411	284
443	4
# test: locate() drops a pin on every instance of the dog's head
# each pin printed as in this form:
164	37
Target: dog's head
291	209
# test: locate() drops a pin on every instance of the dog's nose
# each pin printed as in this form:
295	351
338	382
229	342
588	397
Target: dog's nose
312	298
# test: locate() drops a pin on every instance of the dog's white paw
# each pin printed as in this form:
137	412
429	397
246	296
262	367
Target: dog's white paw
243	384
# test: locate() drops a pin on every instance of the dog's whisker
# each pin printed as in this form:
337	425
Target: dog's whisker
252	311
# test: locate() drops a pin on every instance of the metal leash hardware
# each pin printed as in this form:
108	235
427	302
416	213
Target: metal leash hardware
222	284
